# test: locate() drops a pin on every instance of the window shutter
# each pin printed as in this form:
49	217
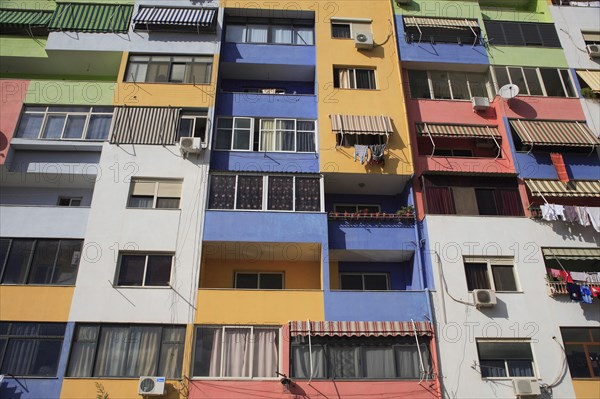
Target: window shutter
141	187
167	189
549	35
495	35
512	32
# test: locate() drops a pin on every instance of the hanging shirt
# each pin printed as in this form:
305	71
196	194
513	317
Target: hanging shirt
586	294
574	292
594	216
579	276
571	214
584	219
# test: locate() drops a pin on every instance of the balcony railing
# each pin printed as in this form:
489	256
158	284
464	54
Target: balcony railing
560	287
407	216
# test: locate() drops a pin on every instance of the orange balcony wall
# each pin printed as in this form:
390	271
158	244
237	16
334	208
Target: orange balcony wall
35	303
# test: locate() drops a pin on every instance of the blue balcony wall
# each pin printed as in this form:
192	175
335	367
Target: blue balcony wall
246	161
441	52
265	226
268	54
371	235
400	273
267	105
238	86
377	306
36	388
539	166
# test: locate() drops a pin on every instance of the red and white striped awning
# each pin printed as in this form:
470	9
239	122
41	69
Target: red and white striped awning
361	124
360	328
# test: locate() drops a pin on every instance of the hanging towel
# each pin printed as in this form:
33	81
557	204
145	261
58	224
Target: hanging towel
574	292
553	212
579	276
571	214
360	152
555	273
594	216
595	291
584	219
565	276
586	294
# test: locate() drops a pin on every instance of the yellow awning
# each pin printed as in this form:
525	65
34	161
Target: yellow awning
592	78
556	188
441	22
361	124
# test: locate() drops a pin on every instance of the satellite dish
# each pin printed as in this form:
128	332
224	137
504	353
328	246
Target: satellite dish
508	91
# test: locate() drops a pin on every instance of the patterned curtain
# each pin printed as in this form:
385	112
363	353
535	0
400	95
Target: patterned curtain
222	192
249	192
308	194
281	193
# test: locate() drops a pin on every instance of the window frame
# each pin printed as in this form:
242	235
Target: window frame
194	117
342	23
173	60
46	114
430	83
198	327
265	192
155	196
258	274
295	25
352	81
490	263
70	200
586	349
534	369
363	274
146	255
356	207
500	27
567	88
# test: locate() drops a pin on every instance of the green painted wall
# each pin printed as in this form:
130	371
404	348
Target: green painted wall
70	92
527	56
440	8
22	46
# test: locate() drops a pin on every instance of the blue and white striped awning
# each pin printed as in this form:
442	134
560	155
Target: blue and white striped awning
175	16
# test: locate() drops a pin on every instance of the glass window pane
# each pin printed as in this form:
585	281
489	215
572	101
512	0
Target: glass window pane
516	75
235	34
42	265
567	81
246	280
222	192
504	278
167	203
341	31
52	329
141	201
54	126
270	281
419	84
492	368
460	91
304	36
30	125
407	361
477	276
157	72
185	127
171	352
305	141
258	33
376	282
552	82
308	194
535	88
520	368
241	139
18	357
266	353
576	334
81	360
158	271
281	34
144	347
17	262
378	362
236	357
365	79
4	246
74	127
441	87
136	71
594	352
249	192
478	85
223	141
344	362
177	73
131	270
351	282
504	350
99	127
198	73
501	76
577	360
207	352
45	358
281	193
486	201
113	352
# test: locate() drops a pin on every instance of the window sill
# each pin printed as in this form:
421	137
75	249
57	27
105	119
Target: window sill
154	209
37	285
59	144
146	287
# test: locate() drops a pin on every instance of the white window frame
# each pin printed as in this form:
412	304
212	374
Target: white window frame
70	199
534	367
195	119
363	274
467	75
269	25
258	274
146	255
223	328
47	113
490	262
540	80
356	206
197	59
352	77
156	189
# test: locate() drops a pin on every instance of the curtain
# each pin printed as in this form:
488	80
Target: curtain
82	354
281	34
301	361
343	362
379	362
407	360
19	356
258	33
111	359
308	194
365	79
171	352
215	353
235	34
520	368
236	356
249	192
304	36
504	278
492	368
143	351
281	193
439	200
305	136
267	137
222	192
477	276
285	135
344	78
265	361
510	202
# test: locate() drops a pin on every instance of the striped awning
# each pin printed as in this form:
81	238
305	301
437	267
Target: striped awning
360	124
440	22
556	188
360	328
575	134
175	16
592	78
572	253
23	18
465	131
90	17
144	125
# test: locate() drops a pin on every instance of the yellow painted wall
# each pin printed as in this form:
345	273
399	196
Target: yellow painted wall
219	273
35	303
165	94
586	389
86	388
254	307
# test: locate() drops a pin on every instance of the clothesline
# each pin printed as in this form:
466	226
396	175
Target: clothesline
583	215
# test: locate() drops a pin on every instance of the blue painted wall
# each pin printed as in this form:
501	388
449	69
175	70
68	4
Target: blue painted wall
441	52
40	388
371	235
268	54
238	86
400	273
377	306
267	105
252	161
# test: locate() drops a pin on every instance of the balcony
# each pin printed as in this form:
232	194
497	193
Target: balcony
560	287
370	231
375	305
43	221
268	54
267	105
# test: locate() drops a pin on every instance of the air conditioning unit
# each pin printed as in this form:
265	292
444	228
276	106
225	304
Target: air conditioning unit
480	103
151	386
484	298
593	50
190	145
363	41
526	387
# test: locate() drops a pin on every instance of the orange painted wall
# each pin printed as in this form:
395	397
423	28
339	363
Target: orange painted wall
12	94
35	303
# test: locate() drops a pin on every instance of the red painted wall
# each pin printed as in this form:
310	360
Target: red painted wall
12	95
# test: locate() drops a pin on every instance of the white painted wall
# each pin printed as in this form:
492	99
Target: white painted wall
530	313
43	221
42	196
113	227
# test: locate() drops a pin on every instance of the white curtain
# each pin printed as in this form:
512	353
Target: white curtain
112	352
258	33
281	34
235	34
143	351
215	354
344	77
304	36
379	362
343	361
82	354
267	138
237	353
19	356
171	354
265	361
301	361
407	360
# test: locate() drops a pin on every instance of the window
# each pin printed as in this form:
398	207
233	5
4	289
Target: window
267	135
191	125
536	81
39	261
364	281
69	201
169	68
505	359
30	349
501	33
582	346
298	32
356	208
260	281
494	274
341	30
127	351
240	352
142	270
591	37
354	78
65	123
448	85
259	192
146	193
452	152
343	358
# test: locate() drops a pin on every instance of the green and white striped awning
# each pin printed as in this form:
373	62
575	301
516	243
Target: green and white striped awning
556	188
90	17
571	253
462	131
441	22
13	18
574	134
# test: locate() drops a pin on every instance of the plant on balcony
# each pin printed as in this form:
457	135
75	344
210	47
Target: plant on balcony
406	212
588	93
